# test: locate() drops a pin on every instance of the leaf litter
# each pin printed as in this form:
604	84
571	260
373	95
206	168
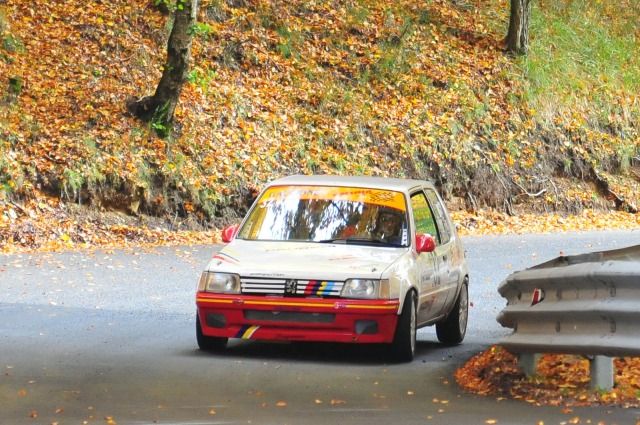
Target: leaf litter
560	380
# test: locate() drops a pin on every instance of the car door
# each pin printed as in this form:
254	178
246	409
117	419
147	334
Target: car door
445	252
429	299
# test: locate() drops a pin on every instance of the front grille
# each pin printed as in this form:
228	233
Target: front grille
289	316
262	286
291	287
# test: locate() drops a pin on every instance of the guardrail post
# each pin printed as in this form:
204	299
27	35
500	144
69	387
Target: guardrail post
601	368
528	362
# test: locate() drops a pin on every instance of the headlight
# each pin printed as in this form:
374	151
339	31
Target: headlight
219	282
365	288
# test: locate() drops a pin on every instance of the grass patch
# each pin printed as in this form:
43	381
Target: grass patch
584	59
289	41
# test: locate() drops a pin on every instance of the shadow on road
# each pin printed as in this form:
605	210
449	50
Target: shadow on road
316	352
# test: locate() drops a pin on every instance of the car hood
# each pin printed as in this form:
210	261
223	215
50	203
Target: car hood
304	260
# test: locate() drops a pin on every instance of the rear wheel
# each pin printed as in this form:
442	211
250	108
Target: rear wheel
209	343
452	329
403	347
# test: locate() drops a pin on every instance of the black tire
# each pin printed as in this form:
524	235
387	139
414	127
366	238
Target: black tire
452	329
403	347
209	343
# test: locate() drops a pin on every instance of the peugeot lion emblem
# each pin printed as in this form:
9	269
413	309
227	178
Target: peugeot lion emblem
290	286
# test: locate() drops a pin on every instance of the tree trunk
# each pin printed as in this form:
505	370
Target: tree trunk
518	35
160	107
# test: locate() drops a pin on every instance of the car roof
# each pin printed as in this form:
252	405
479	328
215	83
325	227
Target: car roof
352	181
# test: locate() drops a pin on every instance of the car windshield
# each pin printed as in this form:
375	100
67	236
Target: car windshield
328	214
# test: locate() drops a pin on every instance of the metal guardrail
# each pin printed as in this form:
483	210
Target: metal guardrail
584	304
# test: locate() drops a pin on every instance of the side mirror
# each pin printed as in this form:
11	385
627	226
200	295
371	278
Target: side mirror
425	243
229	232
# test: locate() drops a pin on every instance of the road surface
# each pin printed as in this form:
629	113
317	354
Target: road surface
108	337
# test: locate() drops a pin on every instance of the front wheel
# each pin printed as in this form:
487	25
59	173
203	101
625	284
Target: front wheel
452	329
403	347
209	343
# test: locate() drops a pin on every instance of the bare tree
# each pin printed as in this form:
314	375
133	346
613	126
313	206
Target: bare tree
160	107
518	35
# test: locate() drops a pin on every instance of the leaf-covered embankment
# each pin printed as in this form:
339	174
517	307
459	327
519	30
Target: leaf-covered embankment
398	89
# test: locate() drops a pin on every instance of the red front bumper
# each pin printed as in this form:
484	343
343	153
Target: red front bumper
297	319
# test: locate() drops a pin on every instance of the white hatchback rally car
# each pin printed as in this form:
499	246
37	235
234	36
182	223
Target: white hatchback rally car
341	259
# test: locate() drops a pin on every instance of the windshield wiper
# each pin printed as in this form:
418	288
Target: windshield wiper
363	241
333	240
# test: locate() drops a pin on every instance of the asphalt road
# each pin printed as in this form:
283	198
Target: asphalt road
108	337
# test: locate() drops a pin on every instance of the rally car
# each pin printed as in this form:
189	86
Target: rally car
340	259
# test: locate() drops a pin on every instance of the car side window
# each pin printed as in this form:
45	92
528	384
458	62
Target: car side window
440	216
424	220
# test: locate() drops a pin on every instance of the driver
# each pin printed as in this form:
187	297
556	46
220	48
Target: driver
388	227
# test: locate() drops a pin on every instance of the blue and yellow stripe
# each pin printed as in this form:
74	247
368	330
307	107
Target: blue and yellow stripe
247	331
